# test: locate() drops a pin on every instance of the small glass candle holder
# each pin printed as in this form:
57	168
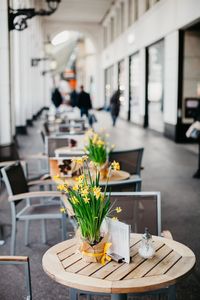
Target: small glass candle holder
146	249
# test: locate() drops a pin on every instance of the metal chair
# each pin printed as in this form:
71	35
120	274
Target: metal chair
20	260
129	160
140	210
52	143
18	190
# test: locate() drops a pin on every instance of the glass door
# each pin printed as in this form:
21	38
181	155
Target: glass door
109	83
134	85
155	86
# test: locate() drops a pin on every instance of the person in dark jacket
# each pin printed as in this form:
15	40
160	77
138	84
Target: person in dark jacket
56	97
74	98
84	102
115	106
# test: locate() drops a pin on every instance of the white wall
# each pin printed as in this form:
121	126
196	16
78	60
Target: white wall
162	21
5	104
171	78
27	82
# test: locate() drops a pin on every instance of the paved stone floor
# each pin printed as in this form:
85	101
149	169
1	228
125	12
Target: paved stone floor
168	167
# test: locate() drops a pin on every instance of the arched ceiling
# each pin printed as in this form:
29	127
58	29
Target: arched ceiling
89	11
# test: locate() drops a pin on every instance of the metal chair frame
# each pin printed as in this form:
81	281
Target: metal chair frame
135	181
136	194
20	260
21	216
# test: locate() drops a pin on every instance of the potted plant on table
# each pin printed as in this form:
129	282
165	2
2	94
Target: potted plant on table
98	150
91	205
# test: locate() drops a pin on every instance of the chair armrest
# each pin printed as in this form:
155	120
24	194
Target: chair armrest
37	194
36	156
41	182
167	234
131	179
67	206
14	259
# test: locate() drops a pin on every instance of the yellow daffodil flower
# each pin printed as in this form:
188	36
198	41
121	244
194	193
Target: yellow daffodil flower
74	200
84	157
115	165
62	210
75	187
85	191
77	160
97	192
118	209
61	187
100	142
95	138
56	177
86	199
114	218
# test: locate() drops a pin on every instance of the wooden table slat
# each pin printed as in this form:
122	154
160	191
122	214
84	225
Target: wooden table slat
166	264
148	264
67	252
106	270
125	269
90	269
77	266
181	266
70	260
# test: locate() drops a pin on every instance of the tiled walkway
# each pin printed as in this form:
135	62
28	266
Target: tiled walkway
168	167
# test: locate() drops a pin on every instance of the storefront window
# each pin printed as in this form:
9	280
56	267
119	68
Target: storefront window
121	85
134	77
109	80
155	90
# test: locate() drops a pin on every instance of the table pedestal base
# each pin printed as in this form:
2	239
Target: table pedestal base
119	297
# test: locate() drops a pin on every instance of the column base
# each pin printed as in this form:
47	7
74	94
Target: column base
29	122
9	152
21	130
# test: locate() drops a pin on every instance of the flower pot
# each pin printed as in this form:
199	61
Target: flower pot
95	253
104	170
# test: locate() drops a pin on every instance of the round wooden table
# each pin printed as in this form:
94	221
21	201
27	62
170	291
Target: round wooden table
114	176
171	262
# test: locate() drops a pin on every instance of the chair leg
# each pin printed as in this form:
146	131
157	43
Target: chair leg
43	229
73	294
172	292
13	237
28	281
64	227
26	232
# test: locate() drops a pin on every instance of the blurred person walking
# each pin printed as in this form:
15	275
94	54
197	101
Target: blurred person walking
84	102
115	106
74	98
56	97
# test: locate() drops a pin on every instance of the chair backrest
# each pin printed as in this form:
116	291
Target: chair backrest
128	185
140	210
15	179
129	160
53	143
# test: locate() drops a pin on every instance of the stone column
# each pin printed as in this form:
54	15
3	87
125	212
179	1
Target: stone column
5	101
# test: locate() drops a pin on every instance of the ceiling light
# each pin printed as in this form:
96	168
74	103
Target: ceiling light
60	38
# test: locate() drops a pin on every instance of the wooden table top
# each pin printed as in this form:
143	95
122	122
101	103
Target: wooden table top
172	261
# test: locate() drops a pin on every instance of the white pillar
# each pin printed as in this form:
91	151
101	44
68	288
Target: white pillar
5	103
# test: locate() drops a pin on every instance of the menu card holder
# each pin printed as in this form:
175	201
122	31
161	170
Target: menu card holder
119	236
